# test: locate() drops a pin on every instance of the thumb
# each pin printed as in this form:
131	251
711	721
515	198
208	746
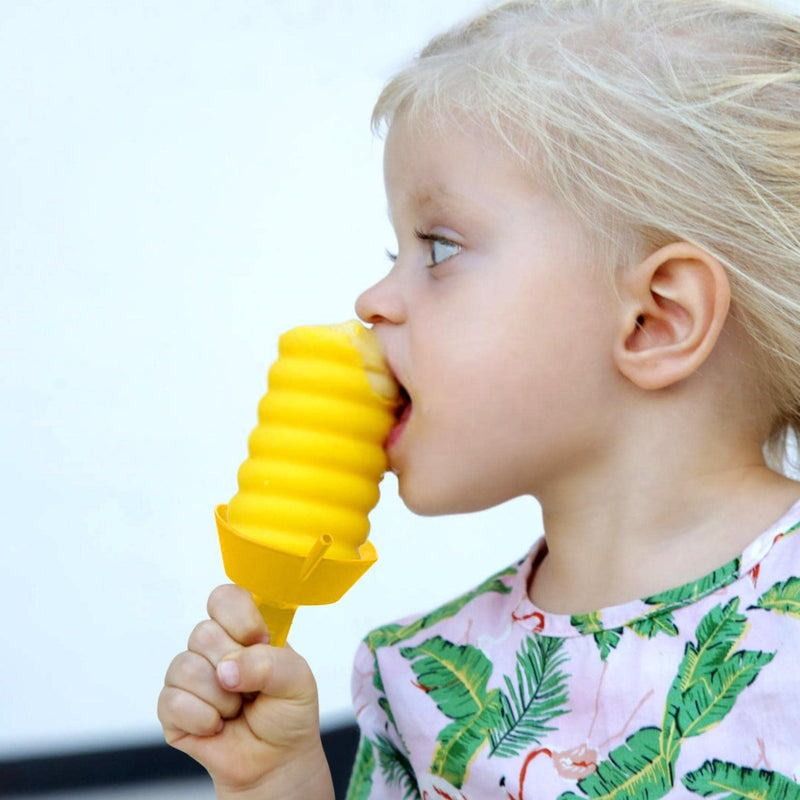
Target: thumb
275	671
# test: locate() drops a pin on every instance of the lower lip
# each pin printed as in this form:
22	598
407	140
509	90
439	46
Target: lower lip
397	431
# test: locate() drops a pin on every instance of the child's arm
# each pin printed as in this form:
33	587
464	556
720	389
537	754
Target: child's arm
256	732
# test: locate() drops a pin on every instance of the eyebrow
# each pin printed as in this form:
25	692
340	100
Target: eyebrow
438	195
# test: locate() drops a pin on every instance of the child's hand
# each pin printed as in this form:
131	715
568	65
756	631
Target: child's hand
246	711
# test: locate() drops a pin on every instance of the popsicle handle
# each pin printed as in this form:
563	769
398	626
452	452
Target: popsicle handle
278	619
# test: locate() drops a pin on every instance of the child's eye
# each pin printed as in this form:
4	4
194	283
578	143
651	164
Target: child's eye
441	248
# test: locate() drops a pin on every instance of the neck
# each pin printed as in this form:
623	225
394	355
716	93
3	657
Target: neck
632	526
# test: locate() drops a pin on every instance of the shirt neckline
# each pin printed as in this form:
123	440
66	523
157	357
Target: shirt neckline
537	620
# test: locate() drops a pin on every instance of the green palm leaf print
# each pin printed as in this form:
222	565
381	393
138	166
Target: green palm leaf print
393	634
361	779
653	624
717	778
606	640
714	695
783	598
694	590
539	696
660	620
711	676
397	769
637	770
455	677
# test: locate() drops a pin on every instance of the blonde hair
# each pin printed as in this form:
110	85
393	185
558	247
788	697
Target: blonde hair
654	121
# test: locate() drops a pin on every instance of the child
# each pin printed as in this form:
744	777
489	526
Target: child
594	301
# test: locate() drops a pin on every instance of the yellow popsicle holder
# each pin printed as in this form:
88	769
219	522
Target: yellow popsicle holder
281	580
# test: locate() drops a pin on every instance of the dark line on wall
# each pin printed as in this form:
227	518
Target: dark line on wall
26	777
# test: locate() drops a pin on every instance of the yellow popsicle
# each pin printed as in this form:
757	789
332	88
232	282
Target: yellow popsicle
295	532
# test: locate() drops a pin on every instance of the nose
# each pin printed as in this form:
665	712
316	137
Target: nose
382	302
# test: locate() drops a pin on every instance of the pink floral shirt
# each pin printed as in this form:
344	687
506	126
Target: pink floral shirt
693	692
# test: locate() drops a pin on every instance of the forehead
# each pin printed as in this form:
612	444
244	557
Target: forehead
449	165
424	138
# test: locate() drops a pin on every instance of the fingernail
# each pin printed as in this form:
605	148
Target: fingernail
228	672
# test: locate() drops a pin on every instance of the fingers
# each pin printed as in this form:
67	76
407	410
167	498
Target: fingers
235	640
183	709
274	671
228	661
181	712
210	640
193	700
234	609
194	674
285	711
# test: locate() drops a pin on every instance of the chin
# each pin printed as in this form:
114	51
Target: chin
432	500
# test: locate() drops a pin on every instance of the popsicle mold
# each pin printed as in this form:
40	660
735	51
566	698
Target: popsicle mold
296	531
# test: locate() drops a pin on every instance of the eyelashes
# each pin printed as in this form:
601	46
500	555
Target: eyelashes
441	249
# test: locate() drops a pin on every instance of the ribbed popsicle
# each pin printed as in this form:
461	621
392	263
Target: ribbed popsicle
295	532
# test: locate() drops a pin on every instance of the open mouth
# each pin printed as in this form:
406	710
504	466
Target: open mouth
404	403
402	416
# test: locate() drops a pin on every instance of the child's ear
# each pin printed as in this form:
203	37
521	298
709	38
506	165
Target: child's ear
675	303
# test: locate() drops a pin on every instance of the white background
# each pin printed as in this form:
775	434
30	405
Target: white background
180	182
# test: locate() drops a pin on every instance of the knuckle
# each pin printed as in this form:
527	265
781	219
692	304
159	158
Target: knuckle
207	721
204	636
173	666
233	609
221	596
301	667
302	672
262	657
180	710
305	682
256	666
161	708
190	670
167	706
